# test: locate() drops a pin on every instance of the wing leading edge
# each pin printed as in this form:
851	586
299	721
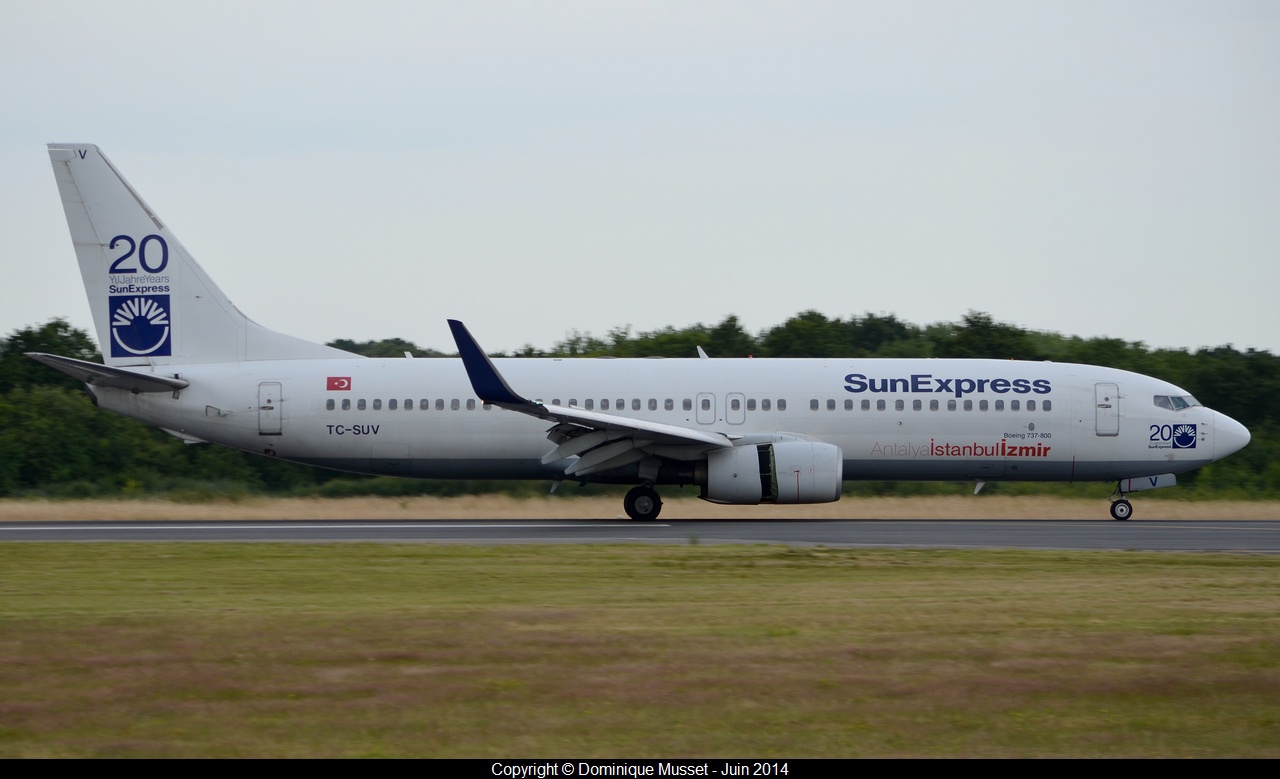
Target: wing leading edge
600	441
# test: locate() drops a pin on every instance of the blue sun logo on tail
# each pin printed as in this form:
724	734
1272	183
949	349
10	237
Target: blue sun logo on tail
140	326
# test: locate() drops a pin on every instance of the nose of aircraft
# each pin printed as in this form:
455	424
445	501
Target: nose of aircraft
1229	436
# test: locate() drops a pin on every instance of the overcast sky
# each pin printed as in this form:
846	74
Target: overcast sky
367	170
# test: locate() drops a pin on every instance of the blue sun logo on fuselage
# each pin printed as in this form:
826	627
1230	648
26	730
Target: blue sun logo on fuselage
140	326
1184	436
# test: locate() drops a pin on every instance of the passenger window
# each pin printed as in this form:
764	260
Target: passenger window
968	405
621	405
573	401
653	404
782	404
813	404
917	405
848	405
899	405
604	404
1031	405
999	405
471	404
735	404
706	404
439	404
590	404
933	405
751	404
831	405
687	404
392	405
1047	405
766	404
982	405
866	405
635	404
346	404
424	405
668	405
454	405
951	405
880	405
408	404
328	404
360	404
1013	405
377	404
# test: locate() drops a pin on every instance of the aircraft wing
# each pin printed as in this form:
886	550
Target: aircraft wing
106	376
601	441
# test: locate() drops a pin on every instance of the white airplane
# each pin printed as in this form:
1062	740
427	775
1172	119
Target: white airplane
180	356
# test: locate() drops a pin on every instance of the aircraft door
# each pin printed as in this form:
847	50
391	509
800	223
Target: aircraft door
1107	400
735	408
269	415
706	408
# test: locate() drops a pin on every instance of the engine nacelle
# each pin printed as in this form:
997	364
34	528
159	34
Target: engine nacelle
780	472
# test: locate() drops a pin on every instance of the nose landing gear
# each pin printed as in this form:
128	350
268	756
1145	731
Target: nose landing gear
1121	509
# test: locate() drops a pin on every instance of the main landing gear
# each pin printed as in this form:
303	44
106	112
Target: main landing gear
642	503
1121	509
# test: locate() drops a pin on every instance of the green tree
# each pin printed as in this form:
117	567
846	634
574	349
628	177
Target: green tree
387	347
728	339
807	334
980	336
53	337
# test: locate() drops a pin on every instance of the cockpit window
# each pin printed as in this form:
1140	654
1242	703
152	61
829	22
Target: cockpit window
1175	402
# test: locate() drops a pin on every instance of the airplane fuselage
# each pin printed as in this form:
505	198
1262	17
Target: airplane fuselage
891	419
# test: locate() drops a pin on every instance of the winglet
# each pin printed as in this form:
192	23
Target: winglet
485	379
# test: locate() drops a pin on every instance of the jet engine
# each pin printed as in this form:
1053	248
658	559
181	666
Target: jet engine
778	472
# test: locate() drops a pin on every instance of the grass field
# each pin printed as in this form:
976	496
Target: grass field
504	507
350	650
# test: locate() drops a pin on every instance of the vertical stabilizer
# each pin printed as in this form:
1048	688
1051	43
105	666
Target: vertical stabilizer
152	303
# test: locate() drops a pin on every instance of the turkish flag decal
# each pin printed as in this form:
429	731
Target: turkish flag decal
339	383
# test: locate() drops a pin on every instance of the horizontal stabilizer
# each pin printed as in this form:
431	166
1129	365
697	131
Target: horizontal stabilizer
107	376
183	437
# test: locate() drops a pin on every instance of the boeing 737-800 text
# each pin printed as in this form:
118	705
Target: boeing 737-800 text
180	356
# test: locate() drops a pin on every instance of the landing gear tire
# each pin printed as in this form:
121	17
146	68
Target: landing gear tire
1121	509
642	504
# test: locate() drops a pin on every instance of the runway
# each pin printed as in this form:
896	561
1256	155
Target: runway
1249	536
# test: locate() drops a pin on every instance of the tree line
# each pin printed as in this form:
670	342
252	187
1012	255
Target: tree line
54	443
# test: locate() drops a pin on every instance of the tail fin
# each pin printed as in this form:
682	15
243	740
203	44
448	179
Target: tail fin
152	304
